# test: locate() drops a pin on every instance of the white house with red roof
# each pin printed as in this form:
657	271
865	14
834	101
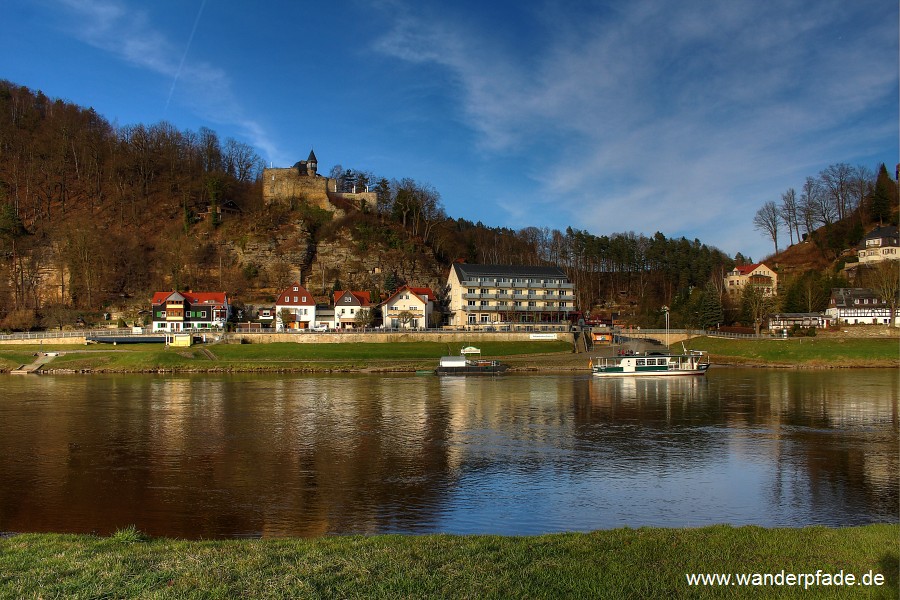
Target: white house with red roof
295	308
347	305
757	274
408	308
184	311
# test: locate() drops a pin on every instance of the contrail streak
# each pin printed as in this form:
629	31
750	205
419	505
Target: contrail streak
184	56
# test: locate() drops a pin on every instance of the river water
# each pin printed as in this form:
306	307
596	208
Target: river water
215	456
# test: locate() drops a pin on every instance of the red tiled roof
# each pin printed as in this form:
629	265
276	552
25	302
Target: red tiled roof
746	269
287	296
423	294
362	297
193	297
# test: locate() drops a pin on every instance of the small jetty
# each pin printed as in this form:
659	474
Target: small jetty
36	366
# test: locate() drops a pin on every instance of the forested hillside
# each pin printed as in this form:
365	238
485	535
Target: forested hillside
94	217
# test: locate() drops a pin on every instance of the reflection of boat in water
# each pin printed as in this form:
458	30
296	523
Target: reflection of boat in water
693	362
464	365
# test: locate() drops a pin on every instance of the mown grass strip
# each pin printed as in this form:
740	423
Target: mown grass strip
796	351
622	563
266	357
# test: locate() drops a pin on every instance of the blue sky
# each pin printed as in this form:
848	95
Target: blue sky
648	115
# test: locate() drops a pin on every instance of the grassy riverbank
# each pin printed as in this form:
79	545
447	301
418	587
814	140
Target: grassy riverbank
410	356
802	352
279	357
622	563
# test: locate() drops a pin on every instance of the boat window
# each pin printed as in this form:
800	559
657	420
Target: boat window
641	362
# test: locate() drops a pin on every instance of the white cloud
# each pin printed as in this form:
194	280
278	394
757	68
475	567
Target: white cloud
667	116
126	33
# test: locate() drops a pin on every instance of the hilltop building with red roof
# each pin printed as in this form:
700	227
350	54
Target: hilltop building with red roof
183	311
757	274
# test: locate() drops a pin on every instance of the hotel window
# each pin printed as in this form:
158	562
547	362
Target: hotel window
471	303
484	303
470	291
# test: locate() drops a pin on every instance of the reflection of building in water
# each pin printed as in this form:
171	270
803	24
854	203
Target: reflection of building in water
528	406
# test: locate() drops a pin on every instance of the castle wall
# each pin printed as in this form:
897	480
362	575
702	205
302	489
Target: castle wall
285	184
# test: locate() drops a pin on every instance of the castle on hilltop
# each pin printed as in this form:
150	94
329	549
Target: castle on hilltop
303	182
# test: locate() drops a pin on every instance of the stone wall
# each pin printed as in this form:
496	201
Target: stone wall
466	337
285	184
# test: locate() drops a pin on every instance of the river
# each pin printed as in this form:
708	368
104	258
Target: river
218	456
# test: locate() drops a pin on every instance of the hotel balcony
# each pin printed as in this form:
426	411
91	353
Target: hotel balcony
537	285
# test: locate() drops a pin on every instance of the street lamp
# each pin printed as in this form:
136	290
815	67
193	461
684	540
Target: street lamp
666	310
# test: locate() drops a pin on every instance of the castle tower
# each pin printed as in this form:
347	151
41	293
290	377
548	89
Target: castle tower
311	164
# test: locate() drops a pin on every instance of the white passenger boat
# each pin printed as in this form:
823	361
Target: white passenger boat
469	362
692	362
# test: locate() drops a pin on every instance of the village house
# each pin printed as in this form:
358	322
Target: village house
858	306
489	294
757	274
185	311
347	307
295	308
409	308
781	321
882	243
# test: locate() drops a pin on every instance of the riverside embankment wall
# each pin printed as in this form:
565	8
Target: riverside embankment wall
466	337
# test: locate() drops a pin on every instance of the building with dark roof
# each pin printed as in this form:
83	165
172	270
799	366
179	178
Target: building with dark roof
485	295
858	306
882	243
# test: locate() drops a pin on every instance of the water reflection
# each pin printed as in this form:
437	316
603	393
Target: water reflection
219	456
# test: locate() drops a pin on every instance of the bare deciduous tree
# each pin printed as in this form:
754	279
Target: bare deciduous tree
884	279
768	220
790	213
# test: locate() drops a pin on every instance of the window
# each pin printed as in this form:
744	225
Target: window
471	303
517	303
472	320
532	304
641	362
563	304
296	289
485	318
295	300
484	302
484	291
304	299
347	299
470	291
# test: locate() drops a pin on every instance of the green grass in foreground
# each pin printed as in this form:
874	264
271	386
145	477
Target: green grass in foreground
262	357
622	563
810	351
